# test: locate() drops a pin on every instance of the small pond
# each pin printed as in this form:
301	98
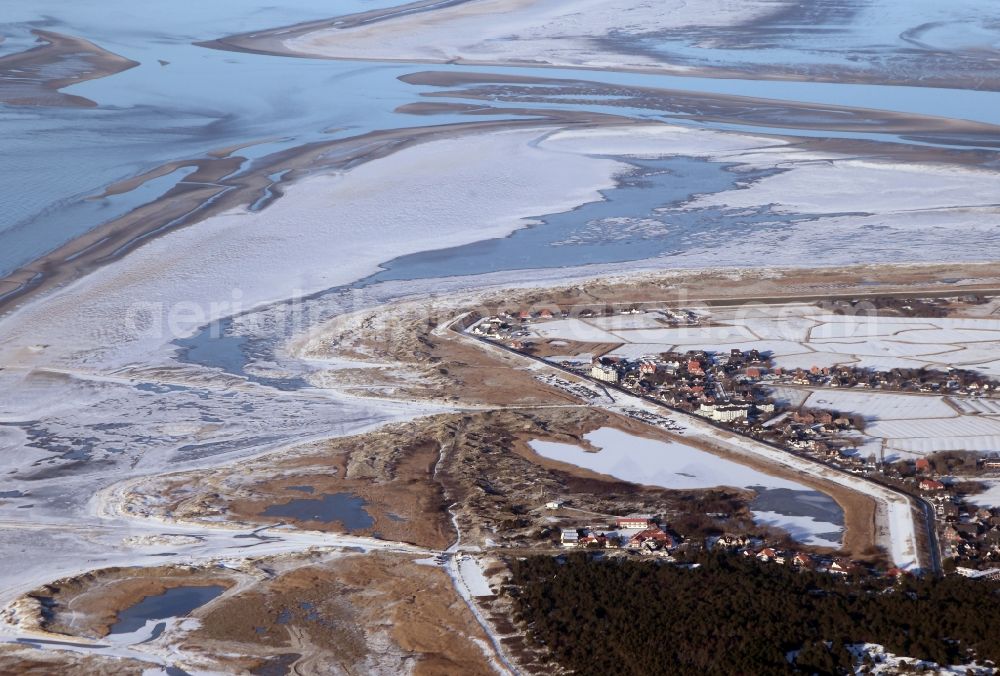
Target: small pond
346	508
176	602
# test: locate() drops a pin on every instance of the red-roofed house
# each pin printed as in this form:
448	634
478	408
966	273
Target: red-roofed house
767	554
652	539
930	485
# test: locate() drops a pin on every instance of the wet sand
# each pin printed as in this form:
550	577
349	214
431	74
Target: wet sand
34	77
724	108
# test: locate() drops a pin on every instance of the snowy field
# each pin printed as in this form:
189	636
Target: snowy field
679	466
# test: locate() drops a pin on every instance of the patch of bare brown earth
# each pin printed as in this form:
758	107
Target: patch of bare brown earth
354	614
25	660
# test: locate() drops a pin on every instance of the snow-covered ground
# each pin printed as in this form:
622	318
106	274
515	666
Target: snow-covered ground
881	210
679	466
562	32
472	576
990	497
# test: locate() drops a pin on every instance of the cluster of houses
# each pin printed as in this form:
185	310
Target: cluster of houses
732	390
636	532
823	434
951	381
722	388
748	547
644	534
968	534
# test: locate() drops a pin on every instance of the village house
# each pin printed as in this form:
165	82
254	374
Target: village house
652	539
731	541
930	485
841	567
634	521
569	537
599	540
803	560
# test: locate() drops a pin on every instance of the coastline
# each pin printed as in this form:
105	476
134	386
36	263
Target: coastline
707	107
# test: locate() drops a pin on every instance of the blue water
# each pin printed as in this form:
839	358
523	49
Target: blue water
176	602
640	218
344	508
813	504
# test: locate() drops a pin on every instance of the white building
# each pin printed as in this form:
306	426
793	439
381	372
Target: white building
607	374
724	413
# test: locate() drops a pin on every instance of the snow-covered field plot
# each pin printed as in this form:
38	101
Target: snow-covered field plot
918	446
688	335
866	329
806	360
573	329
636	350
793	328
984	406
679	466
945	429
912	425
882	405
644	320
879	347
881	343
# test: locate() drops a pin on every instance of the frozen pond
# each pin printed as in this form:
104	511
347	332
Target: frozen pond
810	516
